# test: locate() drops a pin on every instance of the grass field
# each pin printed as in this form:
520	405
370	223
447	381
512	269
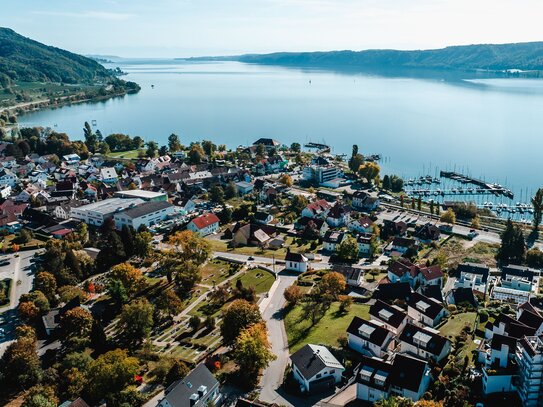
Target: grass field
215	272
456	252
131	154
260	279
454	326
326	331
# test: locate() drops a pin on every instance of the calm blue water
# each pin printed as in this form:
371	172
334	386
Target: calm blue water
488	128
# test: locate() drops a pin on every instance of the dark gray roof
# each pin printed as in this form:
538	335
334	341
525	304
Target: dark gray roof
435	344
474	268
311	359
396	316
146	208
378	334
433	307
179	393
407	372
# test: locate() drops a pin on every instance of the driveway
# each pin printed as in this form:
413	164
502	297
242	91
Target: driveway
272	313
21	271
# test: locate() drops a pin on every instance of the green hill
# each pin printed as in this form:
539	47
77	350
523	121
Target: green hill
523	56
26	60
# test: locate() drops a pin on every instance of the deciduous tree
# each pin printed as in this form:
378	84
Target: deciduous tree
237	317
136	320
252	351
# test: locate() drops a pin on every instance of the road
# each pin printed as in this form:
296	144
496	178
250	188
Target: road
272	314
21	271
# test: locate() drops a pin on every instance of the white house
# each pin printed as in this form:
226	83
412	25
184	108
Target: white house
365	201
244	187
405	376
339	215
205	224
424	343
317	209
362	225
108	175
7	178
392	317
369	338
423	310
316	369
5	191
296	262
148	214
332	239
71	159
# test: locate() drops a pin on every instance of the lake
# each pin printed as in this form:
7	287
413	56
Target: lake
488	128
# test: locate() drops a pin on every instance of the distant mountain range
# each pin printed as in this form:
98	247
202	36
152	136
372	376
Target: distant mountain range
23	59
521	56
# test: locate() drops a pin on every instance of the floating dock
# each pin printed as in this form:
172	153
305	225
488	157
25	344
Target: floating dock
483	186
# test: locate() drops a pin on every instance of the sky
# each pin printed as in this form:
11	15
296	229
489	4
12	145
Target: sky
183	28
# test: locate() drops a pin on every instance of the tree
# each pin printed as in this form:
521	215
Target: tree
152	149
475	223
47	284
76	323
225	215
127	237
260	150
111	252
83	233
216	194
177	371
295	147
332	285
386	183
298	203
136	320
231	190
40	396
195	322
370	171
286	180
111	373
347	250
252	351
117	291
130	277
513	246
345	302
394	402
355	162
237	317
38	300
195	154
534	258
174	144
209	147
20	365
448	217
91	140
537	204
142	244
293	294
210	323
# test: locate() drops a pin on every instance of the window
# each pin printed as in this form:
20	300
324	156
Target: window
318	376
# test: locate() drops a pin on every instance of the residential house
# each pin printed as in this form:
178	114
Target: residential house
369	337
263	218
108	175
427	233
316	369
402	244
71	159
251	234
338	215
363	224
365	201
364	244
479	271
405	376
425	311
205	224
8	178
392	317
332	239
424	343
244	187
197	389
317	209
296	262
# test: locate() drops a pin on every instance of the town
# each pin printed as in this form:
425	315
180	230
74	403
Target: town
134	274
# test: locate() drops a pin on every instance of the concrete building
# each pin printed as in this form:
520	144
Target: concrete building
96	213
205	224
148	214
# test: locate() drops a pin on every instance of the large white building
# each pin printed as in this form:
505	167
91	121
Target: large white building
530	362
148	214
326	175
96	213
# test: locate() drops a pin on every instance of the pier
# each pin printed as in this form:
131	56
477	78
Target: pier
321	148
483	186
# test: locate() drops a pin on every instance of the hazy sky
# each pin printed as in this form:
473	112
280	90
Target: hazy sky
156	28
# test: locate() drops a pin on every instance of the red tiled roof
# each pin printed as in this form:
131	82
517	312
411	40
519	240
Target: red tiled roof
205	220
432	272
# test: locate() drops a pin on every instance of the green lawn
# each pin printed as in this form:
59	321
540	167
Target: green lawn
216	271
131	154
326	331
456	322
260	279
